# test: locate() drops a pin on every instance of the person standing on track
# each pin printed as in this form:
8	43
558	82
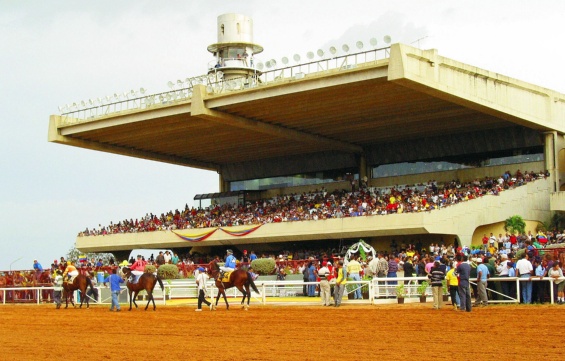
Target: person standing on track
339	284
115	281
463	271
201	279
324	273
57	288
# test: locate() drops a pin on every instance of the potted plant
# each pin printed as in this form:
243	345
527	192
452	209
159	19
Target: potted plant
422	287
400	293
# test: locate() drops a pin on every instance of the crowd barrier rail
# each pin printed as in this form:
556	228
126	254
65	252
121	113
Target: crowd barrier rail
377	290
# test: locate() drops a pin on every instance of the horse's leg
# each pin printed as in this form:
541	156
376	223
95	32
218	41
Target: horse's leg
134	297
149	297
246	293
81	295
218	296
130	294
225	299
72	298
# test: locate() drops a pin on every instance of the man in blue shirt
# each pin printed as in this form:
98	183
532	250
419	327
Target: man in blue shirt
37	266
482	278
253	256
115	281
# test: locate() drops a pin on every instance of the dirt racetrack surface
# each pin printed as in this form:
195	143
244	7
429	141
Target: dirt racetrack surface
351	332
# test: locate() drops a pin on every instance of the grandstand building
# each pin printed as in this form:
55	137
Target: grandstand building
390	116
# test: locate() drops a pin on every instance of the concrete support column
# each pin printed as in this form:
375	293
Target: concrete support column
550	158
362	168
223	185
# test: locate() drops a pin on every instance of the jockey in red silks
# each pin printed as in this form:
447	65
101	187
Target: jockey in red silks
137	268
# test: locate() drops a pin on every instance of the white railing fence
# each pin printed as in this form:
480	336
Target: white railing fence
377	290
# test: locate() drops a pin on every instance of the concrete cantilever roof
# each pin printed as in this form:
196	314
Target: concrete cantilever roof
411	95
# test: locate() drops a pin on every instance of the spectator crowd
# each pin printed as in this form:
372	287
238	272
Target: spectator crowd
321	204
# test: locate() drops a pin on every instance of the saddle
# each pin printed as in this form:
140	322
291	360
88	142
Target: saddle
70	280
224	276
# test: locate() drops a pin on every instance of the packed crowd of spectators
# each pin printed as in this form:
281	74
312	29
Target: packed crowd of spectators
321	204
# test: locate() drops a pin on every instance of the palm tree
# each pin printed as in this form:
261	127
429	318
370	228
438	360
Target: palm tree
515	224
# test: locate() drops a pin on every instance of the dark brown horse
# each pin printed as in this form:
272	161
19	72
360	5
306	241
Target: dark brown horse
146	282
81	282
239	278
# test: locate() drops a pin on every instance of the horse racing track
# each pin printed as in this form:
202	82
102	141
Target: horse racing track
351	332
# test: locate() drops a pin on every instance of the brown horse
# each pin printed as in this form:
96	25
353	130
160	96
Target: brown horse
239	278
81	282
146	282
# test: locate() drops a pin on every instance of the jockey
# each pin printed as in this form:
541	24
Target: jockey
70	271
230	264
137	268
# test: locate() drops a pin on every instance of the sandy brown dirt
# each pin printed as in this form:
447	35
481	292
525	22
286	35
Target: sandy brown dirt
351	332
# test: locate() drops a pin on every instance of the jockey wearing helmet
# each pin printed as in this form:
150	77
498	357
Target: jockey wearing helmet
137	268
230	264
70	271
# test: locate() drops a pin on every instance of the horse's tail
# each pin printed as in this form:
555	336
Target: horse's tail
251	283
160	282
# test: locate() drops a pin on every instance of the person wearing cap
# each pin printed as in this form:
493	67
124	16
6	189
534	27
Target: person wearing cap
137	269
340	282
324	273
201	279
245	257
57	288
70	272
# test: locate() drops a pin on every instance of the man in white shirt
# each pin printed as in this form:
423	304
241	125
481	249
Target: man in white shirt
201	279
524	269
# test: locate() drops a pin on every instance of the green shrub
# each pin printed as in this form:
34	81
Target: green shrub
149	268
264	266
168	271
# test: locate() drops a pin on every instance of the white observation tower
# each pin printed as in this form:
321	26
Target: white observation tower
235	50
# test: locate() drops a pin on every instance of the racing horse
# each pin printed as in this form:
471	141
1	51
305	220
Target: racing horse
239	278
80	283
146	282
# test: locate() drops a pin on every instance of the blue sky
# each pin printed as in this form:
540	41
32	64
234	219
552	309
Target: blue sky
55	53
